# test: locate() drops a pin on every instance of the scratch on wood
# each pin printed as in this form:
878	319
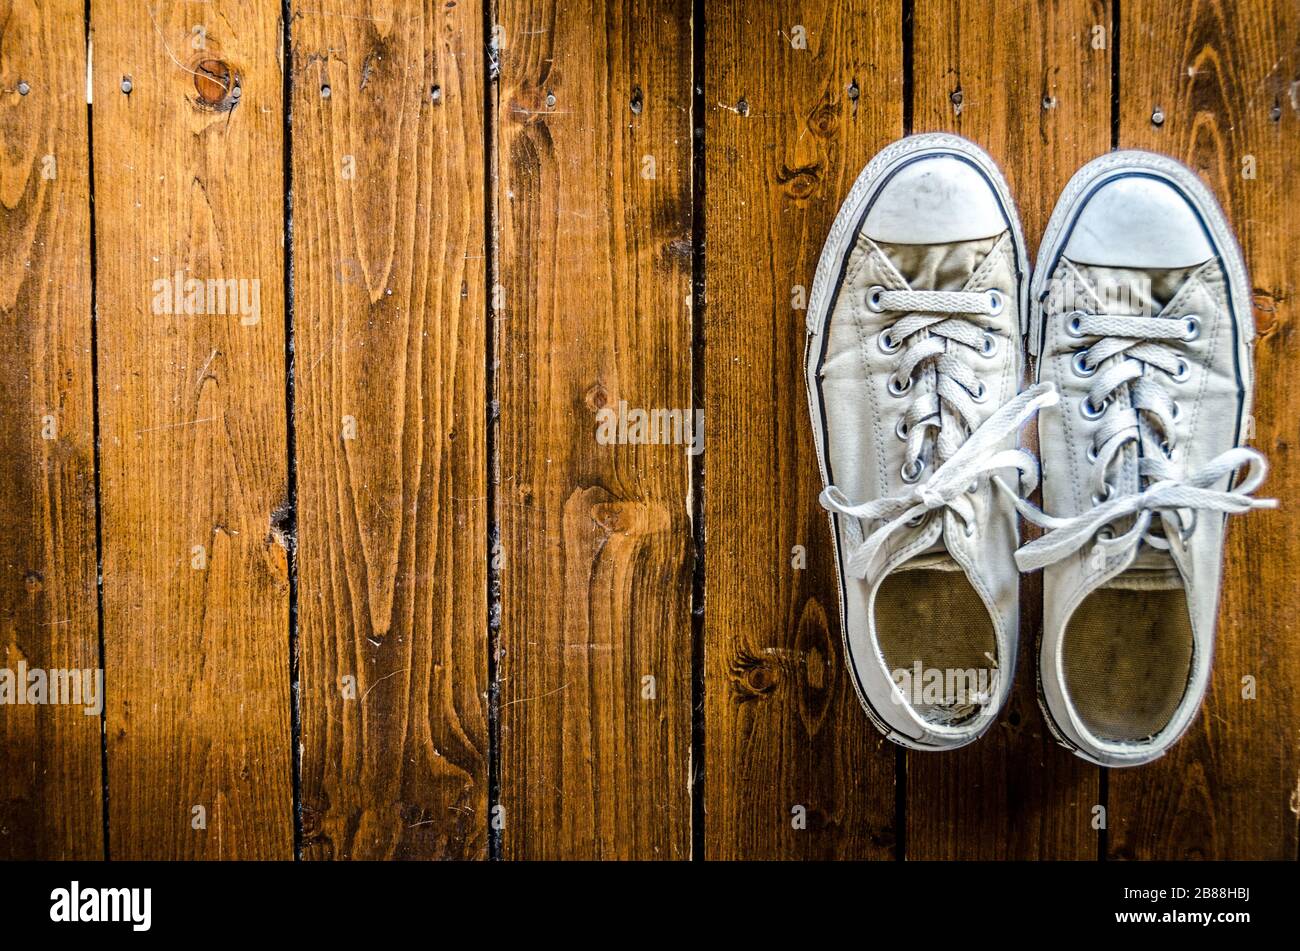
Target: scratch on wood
204	372
191	422
170	54
381	680
538	697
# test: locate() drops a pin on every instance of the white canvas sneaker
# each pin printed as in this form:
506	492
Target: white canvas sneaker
1145	328
913	366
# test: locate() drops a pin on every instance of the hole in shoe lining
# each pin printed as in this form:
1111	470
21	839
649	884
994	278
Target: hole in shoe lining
937	641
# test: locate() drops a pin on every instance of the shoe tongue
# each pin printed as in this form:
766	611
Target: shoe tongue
1134	292
1150	559
1156	574
939	267
934	558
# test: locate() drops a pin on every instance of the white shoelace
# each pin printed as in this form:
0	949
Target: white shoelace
1136	347
921	340
933	318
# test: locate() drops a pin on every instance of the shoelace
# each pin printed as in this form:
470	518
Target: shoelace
1132	347
948	487
921	340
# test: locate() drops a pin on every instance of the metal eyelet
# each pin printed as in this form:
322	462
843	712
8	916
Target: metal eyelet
1178	411
1193	327
996	303
1080	364
1183	373
1092	453
990	345
1185	533
1088	411
898	389
980	393
873	298
900	428
1074	326
911	471
886	342
1098	499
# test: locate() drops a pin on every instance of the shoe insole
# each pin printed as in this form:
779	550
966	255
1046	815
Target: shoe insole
1127	656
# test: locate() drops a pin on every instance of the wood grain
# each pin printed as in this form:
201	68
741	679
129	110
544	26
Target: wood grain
1037	99
423	434
1225	77
188	179
593	192
784	729
51	795
390	335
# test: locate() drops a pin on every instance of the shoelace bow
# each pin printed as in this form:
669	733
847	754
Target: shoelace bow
1132	347
934	318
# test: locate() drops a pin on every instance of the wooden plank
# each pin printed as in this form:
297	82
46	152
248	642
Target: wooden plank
1037	98
391	429
188	183
51	794
594	196
1224	76
792	766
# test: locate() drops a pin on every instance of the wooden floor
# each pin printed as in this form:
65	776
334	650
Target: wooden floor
362	578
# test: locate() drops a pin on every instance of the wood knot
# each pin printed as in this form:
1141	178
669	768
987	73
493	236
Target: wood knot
218	85
823	121
761	679
816	669
1015	721
815	649
33	581
597	397
613	517
753	676
1266	309
311	822
799	183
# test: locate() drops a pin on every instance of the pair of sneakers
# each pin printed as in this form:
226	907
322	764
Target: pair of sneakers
1138	318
